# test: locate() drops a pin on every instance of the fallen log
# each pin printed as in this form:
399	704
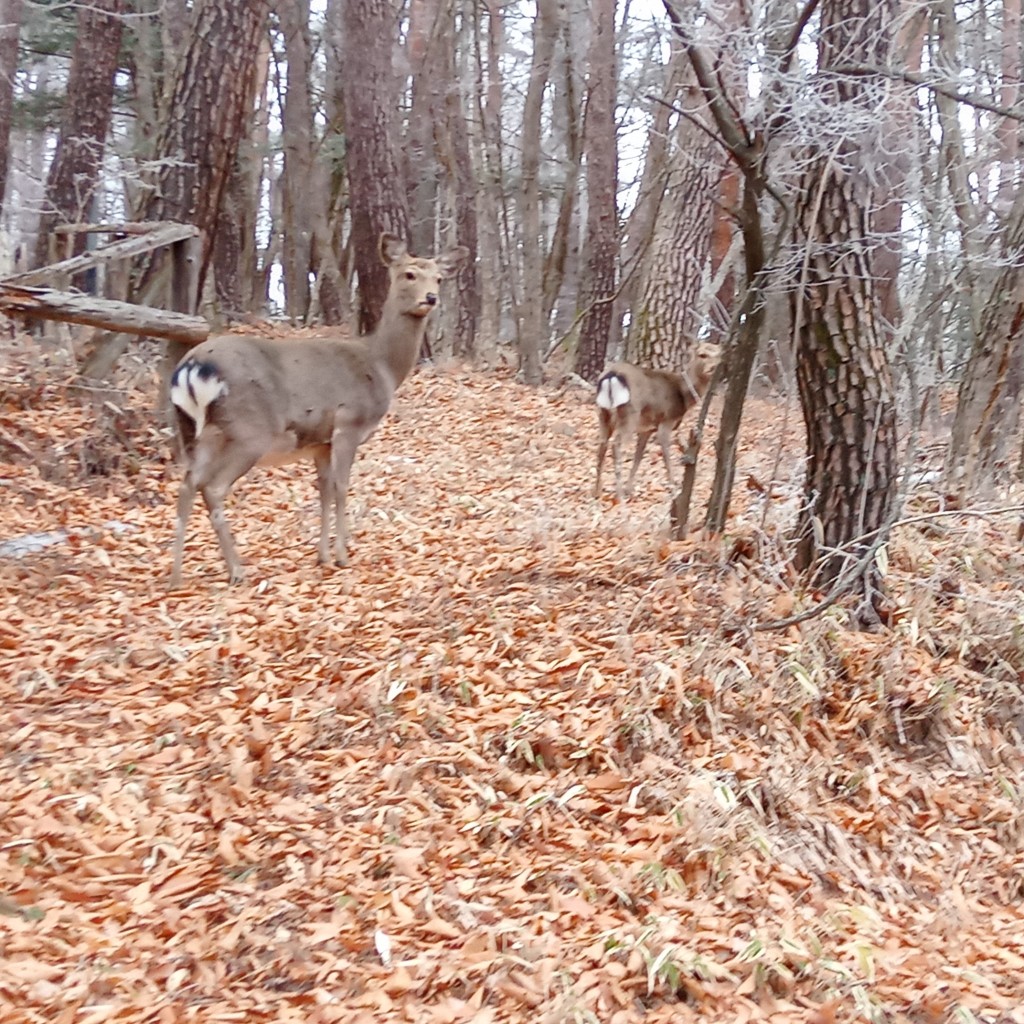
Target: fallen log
111	315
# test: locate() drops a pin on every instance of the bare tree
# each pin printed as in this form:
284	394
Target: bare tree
601	247
532	326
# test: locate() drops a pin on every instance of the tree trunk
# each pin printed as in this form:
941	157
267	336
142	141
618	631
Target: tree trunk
666	313
843	373
453	151
377	193
430	30
210	111
10	27
597	291
75	168
533	329
303	204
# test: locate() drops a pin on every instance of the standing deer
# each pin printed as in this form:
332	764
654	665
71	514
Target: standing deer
242	402
632	399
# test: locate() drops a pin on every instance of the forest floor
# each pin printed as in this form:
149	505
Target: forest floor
523	761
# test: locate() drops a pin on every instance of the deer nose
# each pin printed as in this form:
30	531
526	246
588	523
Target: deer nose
431	299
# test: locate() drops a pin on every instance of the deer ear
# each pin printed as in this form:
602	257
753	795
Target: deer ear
392	248
450	261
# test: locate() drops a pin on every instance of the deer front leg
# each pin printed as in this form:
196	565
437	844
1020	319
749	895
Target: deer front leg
344	442
325	487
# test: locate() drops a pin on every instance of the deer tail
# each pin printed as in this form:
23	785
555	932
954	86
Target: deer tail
612	391
195	386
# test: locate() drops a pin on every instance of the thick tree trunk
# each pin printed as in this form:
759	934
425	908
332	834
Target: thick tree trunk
666	313
10	27
75	168
597	291
843	373
377	192
210	111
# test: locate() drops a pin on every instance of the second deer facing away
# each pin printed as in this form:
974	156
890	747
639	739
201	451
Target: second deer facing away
631	399
242	401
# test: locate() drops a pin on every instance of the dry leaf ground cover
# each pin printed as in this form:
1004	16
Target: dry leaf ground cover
521	762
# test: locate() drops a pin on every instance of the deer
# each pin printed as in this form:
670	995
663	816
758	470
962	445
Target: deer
243	401
634	399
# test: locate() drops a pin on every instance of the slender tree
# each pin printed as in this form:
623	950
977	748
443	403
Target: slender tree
601	247
532	327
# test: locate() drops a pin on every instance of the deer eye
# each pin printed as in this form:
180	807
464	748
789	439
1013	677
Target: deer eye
410	276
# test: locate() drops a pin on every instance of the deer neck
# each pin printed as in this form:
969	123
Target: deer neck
396	342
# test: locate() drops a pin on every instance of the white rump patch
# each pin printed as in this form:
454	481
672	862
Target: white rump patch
612	392
194	388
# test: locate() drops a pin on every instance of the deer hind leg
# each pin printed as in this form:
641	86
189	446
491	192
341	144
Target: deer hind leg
642	437
602	451
186	498
665	440
214	477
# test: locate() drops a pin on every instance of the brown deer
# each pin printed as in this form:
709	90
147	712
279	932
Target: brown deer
242	402
632	399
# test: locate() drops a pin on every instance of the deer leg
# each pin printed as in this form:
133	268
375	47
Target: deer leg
344	442
641	445
233	463
665	440
325	485
602	451
186	498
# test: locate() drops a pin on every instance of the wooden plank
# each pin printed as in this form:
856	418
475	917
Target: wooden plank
122	249
106	313
135	227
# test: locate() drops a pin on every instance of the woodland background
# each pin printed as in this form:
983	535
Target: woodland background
534	756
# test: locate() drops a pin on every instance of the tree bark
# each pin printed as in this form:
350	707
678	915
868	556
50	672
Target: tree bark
597	291
843	374
10	28
378	197
210	111
71	180
666	313
303	204
532	327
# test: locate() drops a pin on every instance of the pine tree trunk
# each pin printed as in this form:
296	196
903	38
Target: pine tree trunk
378	198
666	314
211	109
10	27
75	168
843	374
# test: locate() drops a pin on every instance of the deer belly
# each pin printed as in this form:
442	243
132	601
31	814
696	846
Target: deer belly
287	450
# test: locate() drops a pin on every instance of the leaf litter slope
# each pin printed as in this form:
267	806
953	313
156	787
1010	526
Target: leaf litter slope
517	763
